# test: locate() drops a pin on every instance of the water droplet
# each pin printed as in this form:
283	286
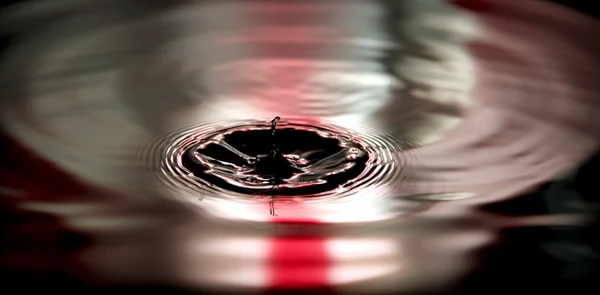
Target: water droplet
314	161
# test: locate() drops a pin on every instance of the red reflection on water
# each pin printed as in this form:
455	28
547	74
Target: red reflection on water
35	244
32	178
282	94
298	262
295	262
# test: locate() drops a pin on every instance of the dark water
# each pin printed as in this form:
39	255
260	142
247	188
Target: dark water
422	146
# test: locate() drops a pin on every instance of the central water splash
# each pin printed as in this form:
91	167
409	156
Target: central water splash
275	165
297	160
310	168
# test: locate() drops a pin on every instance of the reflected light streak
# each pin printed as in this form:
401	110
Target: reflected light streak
284	262
234	247
361	249
348	273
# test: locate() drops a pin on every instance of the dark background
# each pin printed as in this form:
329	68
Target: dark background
520	264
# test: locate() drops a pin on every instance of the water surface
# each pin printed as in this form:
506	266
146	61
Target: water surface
142	128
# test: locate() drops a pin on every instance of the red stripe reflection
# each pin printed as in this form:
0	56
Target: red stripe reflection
294	262
300	263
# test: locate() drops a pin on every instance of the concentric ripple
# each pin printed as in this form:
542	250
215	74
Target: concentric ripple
364	165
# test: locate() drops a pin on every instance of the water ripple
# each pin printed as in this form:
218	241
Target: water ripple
383	168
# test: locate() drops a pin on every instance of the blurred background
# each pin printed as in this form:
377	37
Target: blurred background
483	111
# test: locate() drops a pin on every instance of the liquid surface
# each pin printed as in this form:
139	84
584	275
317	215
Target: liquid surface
143	130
